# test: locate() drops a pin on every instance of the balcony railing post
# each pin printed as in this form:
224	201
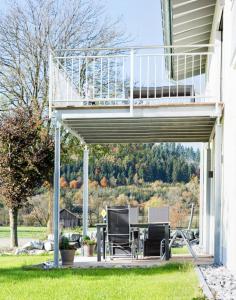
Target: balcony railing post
131	81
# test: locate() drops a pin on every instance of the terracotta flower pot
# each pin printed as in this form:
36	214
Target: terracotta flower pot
88	250
67	257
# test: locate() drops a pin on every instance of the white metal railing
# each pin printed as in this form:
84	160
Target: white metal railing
129	76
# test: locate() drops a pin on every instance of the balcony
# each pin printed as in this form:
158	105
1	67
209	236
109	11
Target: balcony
132	95
139	76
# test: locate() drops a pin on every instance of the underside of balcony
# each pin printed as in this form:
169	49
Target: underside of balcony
157	123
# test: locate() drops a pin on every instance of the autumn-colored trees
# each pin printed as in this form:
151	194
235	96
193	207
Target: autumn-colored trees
103	182
26	160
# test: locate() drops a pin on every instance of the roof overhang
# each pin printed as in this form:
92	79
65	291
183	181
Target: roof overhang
187	22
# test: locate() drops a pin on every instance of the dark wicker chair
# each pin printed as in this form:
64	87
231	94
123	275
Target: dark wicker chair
154	242
120	236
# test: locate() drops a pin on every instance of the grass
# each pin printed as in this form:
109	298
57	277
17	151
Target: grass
172	281
182	250
30	232
24	232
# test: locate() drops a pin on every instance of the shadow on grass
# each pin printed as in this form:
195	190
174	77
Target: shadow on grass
29	273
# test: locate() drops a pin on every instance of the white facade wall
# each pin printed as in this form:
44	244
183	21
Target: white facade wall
228	196
229	137
227	244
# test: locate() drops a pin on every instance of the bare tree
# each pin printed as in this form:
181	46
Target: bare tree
29	29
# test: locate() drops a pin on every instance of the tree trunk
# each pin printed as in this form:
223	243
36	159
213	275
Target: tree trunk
13	214
50	211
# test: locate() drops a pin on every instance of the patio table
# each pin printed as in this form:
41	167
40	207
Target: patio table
101	235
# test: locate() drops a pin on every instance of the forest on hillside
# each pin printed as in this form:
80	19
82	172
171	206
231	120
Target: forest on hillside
140	175
129	164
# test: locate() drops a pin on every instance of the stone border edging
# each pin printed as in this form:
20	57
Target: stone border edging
203	284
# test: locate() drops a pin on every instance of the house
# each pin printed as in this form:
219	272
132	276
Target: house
180	92
68	219
213	22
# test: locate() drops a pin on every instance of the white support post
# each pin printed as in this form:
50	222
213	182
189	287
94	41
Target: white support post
131	81
56	191
218	178
85	191
207	200
201	211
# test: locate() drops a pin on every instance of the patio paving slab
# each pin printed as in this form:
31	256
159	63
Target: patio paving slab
91	262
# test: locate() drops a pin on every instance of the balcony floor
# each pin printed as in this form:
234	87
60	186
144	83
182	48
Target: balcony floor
192	122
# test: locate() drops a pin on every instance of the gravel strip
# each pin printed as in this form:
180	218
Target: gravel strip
221	282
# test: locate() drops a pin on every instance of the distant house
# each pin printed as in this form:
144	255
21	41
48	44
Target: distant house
69	219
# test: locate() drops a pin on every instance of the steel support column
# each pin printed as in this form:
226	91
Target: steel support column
85	191
201	210
56	191
207	199
218	179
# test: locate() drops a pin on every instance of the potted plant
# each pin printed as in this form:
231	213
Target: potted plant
88	246
67	251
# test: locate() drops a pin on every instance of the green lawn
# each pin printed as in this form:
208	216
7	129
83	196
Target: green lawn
183	250
30	232
173	281
25	232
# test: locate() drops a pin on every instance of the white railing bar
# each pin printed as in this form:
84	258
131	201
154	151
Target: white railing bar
169	74
123	76
148	71
72	76
51	83
177	77
79	79
108	77
101	80
91	56
192	73
93	78
140	77
115	75
131	80
67	86
86	78
136	47
185	81
174	54
200	74
162	74
155	75
141	54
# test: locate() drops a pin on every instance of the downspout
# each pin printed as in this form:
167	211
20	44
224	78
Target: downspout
167	30
221	57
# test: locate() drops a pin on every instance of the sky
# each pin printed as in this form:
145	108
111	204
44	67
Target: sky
141	19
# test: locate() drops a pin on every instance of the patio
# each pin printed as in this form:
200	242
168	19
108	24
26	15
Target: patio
147	262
